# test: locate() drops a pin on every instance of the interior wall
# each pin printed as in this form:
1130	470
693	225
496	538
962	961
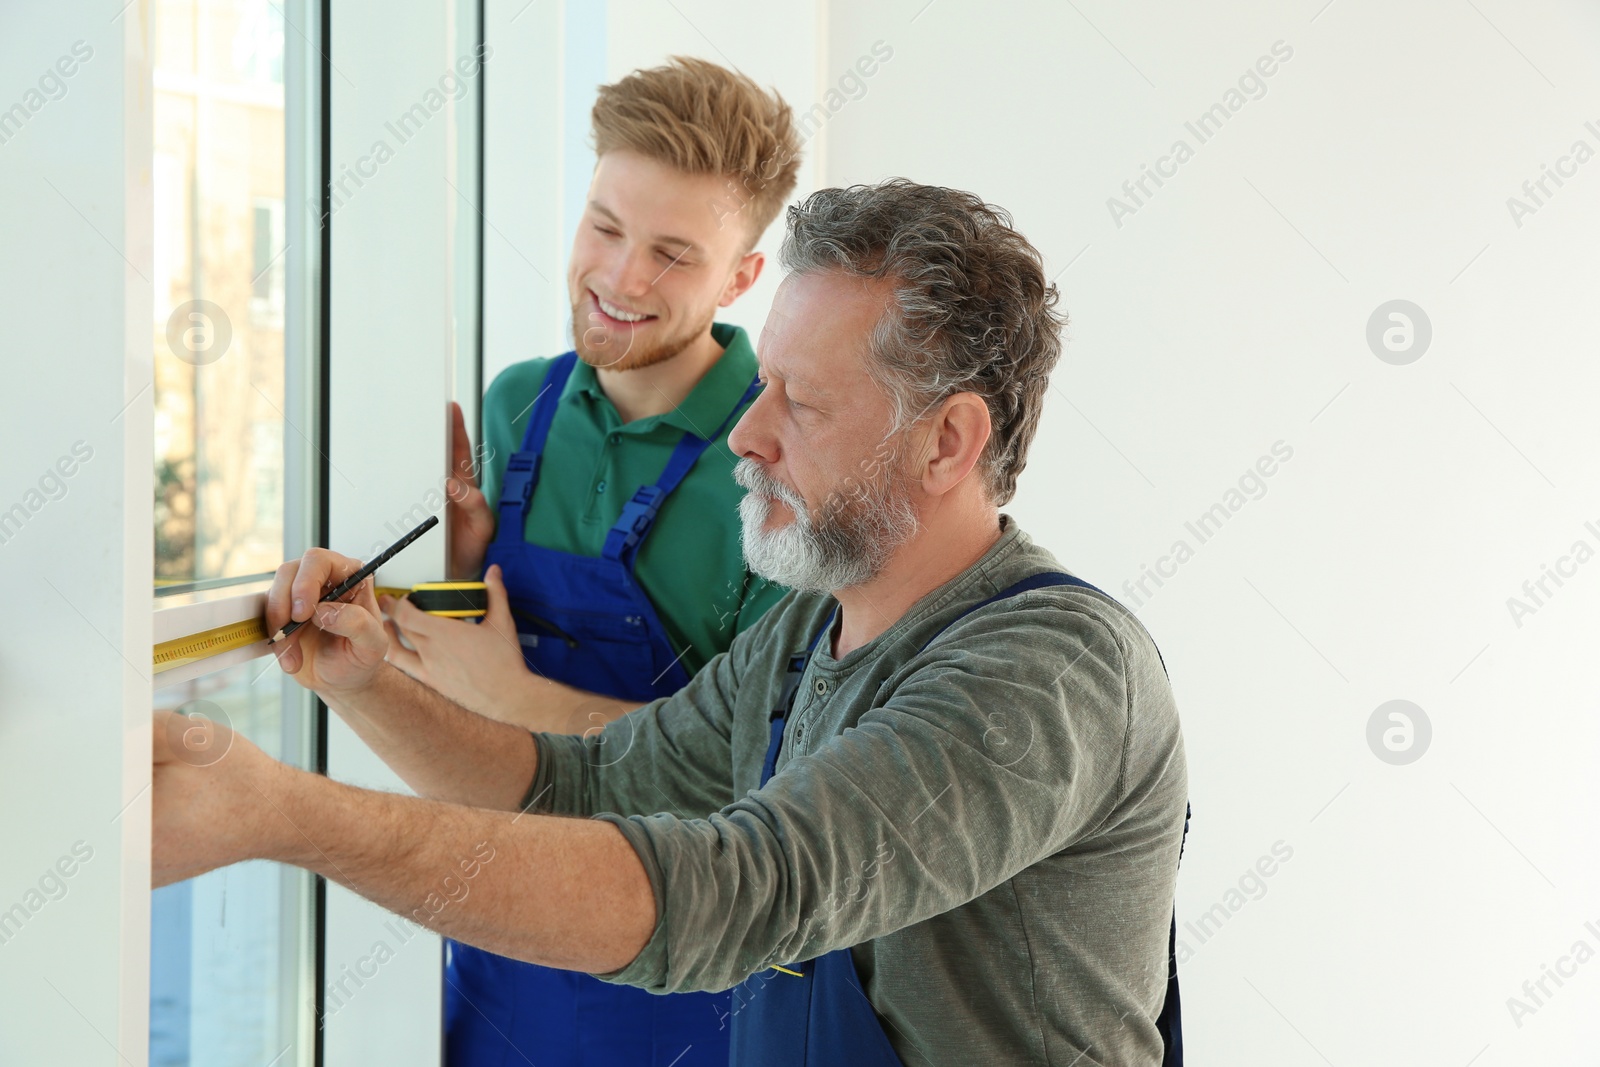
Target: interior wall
550	57
525	308
1364	153
777	45
75	535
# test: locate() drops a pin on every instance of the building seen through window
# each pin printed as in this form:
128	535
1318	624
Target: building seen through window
220	261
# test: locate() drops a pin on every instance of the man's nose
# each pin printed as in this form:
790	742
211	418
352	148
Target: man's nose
750	437
630	273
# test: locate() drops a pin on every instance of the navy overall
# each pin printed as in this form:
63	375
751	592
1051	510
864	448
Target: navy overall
817	1014
583	621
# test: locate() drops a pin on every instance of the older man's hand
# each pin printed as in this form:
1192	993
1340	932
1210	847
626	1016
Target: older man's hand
216	798
344	644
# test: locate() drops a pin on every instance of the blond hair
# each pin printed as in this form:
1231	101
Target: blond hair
704	119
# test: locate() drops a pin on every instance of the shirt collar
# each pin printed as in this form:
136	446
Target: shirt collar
709	403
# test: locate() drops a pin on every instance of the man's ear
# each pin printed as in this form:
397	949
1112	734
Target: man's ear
957	434
744	276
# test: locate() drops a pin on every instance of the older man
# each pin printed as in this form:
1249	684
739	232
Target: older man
927	810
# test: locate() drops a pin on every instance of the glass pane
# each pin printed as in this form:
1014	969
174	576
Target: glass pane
233	952
220	287
230	950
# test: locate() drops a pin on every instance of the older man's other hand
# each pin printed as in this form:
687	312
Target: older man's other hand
216	798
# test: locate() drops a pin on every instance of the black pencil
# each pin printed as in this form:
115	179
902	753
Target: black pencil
363	574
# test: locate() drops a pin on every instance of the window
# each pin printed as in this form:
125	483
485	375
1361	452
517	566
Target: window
220	176
267	281
237	264
231	952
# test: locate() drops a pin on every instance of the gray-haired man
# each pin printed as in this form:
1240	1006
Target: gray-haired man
927	810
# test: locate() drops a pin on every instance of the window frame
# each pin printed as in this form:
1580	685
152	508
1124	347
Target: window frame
198	606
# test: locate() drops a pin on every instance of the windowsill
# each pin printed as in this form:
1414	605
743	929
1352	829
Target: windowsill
195	611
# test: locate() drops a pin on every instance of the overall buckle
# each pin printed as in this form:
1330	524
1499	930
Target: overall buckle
521	472
639	514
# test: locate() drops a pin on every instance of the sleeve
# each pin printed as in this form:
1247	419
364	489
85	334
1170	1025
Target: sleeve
1004	743
671	755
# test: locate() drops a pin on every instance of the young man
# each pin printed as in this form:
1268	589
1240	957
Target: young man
609	518
927	810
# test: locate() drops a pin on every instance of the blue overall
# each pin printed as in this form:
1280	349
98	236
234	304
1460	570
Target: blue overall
583	621
822	1016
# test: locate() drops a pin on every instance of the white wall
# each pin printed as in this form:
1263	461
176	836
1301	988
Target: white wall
524	248
1229	313
75	448
550	57
777	45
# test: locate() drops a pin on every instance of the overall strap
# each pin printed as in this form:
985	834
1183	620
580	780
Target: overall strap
791	685
639	514
522	470
1170	1022
1034	581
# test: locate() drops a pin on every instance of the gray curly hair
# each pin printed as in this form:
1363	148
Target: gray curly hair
973	311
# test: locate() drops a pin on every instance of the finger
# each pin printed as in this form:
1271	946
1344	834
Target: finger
408	661
368	641
365	596
278	596
498	617
288	652
499	600
398	642
415	623
461	493
361	598
461	446
319	571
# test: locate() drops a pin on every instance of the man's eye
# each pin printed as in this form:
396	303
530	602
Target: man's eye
608	231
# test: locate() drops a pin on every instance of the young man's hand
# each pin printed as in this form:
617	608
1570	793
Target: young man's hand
478	666
467	515
342	648
481	668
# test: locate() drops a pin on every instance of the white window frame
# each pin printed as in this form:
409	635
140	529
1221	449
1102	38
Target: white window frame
403	341
223	601
75	736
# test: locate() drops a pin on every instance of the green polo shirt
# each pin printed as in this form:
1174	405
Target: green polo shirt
691	566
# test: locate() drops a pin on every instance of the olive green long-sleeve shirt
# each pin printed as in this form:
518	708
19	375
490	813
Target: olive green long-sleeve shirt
992	823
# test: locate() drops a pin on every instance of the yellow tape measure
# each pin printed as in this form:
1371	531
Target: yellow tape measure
451	600
455	600
208	643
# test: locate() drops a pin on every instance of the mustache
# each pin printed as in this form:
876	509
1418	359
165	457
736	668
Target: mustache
754	478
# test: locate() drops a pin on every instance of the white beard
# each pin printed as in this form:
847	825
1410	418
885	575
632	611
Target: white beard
849	545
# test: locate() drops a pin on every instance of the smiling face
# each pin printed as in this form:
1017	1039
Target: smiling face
828	499
652	261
